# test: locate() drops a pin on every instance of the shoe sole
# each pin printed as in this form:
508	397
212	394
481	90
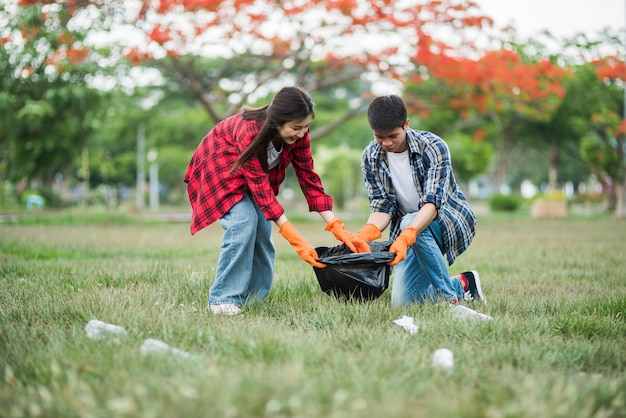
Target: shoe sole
481	296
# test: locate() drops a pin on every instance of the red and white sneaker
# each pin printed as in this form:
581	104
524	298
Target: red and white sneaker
474	292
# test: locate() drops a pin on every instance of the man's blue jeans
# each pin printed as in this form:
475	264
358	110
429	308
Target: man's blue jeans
423	275
245	267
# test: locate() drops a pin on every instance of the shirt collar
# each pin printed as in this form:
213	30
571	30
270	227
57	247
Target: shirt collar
416	145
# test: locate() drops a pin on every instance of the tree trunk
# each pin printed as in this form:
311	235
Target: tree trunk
619	197
620	184
502	161
554	166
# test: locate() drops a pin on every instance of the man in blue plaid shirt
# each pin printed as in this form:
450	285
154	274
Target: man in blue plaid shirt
410	185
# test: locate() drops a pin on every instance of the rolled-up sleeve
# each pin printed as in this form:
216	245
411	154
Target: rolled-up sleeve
437	165
309	180
377	181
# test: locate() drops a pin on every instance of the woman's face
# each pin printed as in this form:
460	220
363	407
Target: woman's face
291	131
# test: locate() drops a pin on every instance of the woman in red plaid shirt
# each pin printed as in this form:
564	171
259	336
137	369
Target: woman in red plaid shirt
234	176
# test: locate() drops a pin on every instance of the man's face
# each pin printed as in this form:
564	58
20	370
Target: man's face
393	140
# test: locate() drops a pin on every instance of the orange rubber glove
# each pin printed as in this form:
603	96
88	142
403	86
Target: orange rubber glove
302	247
369	233
356	244
402	243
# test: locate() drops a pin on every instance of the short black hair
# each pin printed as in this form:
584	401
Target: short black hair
386	113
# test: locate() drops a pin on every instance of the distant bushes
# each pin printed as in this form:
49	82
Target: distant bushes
504	203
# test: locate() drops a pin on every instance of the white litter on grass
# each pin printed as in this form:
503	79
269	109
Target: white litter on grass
443	358
154	346
407	323
98	330
461	311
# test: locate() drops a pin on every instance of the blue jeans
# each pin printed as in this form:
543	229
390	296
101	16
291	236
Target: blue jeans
245	267
423	275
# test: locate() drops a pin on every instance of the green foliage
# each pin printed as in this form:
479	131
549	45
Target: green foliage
555	347
504	203
173	161
470	157
46	106
603	156
173	128
573	121
8	197
340	170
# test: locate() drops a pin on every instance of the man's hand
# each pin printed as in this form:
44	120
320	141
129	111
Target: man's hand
369	233
402	243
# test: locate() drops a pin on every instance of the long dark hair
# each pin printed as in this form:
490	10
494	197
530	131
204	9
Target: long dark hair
289	104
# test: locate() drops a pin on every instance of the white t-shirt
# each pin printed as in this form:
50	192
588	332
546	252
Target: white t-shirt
402	180
273	156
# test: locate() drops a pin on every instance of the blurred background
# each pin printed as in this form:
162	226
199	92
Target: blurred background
102	102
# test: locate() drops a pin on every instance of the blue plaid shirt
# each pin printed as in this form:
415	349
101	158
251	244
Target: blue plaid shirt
433	177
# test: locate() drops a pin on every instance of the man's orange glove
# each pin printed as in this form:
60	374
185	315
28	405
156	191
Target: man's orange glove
302	247
356	244
369	233
402	243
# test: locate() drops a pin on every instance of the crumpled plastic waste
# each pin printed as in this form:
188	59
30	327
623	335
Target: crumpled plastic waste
98	330
461	311
154	346
407	323
443	358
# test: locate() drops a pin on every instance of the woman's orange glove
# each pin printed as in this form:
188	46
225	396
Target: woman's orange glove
369	233
356	244
302	247
402	243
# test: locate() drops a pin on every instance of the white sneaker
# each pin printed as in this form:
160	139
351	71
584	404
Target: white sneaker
225	309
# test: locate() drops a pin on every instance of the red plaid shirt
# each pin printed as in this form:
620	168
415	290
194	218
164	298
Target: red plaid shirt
213	190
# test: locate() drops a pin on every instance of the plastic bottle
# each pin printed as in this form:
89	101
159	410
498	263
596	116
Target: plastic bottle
461	311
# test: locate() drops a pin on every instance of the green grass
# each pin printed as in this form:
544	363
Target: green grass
556	347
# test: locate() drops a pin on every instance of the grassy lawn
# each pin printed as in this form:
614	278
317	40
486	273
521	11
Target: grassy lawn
556	347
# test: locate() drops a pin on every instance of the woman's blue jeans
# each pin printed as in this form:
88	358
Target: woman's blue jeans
423	275
245	267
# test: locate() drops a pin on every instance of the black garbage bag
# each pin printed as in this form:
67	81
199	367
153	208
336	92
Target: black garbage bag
354	276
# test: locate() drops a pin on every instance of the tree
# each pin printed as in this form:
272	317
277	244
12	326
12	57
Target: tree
604	145
230	53
489	96
46	107
566	126
605	141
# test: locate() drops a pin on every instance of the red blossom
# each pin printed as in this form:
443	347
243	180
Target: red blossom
160	35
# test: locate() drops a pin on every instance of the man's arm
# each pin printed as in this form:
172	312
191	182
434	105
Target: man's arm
379	219
424	217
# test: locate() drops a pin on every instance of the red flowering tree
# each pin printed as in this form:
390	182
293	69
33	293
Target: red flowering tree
222	53
605	146
227	53
494	91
